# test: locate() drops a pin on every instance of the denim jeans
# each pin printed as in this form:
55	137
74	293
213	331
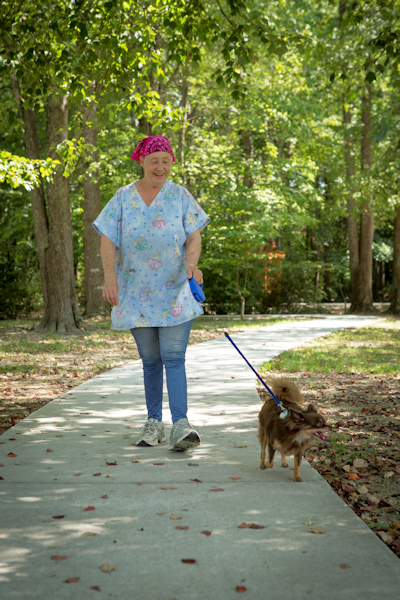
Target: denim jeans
166	346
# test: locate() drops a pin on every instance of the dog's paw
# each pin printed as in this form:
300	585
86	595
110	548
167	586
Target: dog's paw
297	479
269	465
263	467
285	465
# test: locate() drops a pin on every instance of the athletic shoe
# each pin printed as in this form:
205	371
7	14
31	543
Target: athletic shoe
151	433
183	436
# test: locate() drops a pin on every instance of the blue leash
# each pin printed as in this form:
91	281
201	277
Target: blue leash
284	411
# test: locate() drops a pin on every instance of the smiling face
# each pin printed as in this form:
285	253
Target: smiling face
157	167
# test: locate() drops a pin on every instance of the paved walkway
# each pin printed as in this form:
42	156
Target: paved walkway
57	473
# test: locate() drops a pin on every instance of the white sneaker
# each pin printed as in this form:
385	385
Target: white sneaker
183	436
151	433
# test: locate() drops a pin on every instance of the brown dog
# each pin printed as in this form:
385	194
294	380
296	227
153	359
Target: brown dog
293	434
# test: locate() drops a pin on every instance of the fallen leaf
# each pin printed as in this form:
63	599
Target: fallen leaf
95	587
89	508
362	489
206	532
59	517
89	533
77	474
49	450
166	487
11	454
72	580
137	459
353	476
345	566
182	527
161	513
175	517
197	480
107	568
236	478
193	465
308	522
388	474
240	588
105	496
217	490
359	463
238	446
57	557
250	526
189	561
385	537
158	464
111	464
316	530
346	468
95	474
141	482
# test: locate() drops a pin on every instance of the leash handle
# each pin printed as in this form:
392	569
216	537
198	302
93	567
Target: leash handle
284	411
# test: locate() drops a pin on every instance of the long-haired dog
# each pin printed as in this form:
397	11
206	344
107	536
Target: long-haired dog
293	434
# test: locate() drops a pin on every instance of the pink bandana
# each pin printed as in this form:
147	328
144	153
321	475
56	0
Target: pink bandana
155	143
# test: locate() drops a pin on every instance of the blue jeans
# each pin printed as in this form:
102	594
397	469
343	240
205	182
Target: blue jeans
166	346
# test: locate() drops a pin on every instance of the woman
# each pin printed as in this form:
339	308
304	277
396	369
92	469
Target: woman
150	247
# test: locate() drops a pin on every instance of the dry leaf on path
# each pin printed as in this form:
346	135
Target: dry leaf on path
49	450
94	474
111	464
359	463
105	496
240	588
239	446
89	508
308	522
217	490
206	532
189	561
182	527
95	587
197	480
388	474
175	517
59	517
72	580
166	487
89	533
353	476
250	526
316	530
137	459
345	566
193	465
77	474
107	568
59	557
11	454
236	478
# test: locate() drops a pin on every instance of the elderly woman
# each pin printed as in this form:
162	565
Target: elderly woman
150	247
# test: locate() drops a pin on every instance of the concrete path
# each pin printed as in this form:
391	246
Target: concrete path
57	475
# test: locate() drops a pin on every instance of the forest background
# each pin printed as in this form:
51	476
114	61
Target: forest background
284	118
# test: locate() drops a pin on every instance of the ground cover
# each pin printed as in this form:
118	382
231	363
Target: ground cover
38	367
353	377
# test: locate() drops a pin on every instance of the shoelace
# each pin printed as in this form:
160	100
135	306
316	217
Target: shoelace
149	427
182	425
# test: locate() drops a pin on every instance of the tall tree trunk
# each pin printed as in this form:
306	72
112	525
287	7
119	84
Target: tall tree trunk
248	151
94	303
352	226
362	298
395	294
48	232
62	311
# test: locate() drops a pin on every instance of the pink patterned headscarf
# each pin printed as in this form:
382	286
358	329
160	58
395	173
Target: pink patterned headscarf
154	143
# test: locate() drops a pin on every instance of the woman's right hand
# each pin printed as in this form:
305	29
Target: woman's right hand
110	292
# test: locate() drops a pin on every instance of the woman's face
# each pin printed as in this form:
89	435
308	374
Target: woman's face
157	167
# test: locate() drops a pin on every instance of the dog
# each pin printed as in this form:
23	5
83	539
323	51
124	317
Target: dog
293	434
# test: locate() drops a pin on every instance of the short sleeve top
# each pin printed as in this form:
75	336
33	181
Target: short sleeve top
150	262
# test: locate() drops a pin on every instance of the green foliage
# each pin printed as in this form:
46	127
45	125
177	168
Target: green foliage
20	171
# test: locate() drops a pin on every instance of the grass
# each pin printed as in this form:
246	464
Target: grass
374	349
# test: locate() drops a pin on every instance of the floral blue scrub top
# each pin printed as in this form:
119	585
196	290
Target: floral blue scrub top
151	257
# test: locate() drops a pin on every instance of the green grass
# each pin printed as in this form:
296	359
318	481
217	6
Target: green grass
210	324
362	350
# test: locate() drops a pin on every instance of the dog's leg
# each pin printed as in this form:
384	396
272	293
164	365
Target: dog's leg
263	445
284	463
297	461
271	452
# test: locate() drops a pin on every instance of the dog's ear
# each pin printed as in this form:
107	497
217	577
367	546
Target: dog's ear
311	408
298	416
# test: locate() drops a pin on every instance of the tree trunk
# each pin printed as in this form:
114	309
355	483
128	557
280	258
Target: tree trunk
352	226
61	313
94	303
395	294
362	299
49	232
248	151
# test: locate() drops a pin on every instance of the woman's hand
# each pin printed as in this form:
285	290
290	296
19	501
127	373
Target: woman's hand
193	271
110	292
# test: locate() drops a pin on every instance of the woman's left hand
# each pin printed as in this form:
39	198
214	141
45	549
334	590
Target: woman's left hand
194	272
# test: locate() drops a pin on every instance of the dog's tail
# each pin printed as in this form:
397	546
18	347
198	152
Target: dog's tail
285	390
